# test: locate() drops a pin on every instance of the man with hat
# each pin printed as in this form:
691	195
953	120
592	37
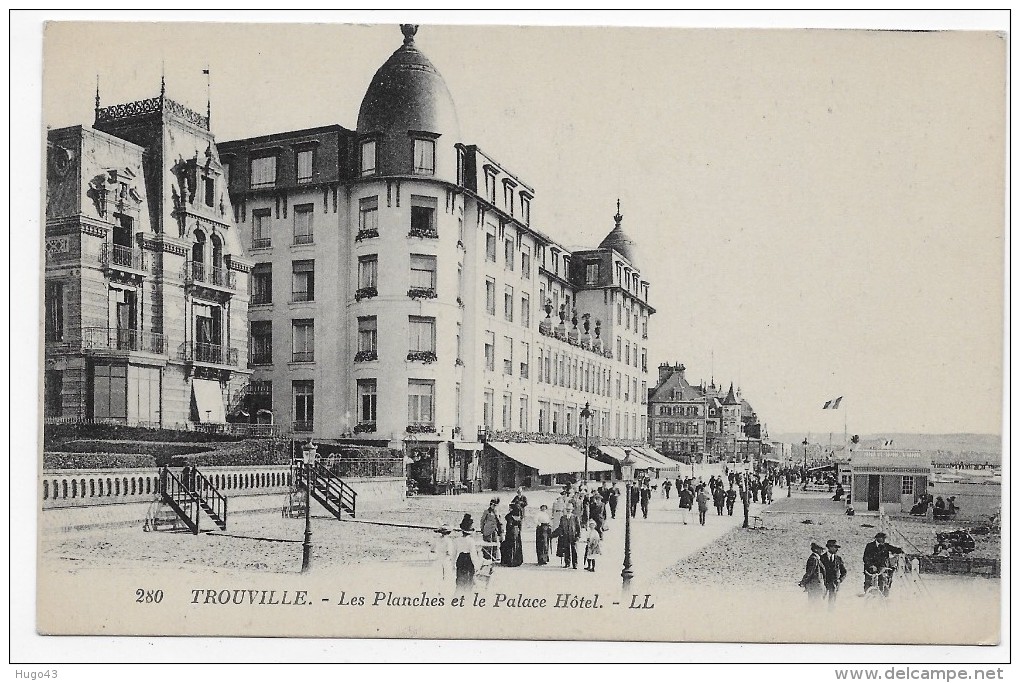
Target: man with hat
814	573
835	570
876	554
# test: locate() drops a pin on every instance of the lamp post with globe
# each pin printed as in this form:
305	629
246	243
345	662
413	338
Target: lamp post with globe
627	472
308	453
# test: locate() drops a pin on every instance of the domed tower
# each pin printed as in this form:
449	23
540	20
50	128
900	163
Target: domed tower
407	120
404	311
620	241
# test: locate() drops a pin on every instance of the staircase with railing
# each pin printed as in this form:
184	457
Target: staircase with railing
211	500
188	498
176	494
332	492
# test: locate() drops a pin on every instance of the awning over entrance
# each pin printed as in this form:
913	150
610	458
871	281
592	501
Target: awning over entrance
208	401
641	461
655	456
467	445
549	458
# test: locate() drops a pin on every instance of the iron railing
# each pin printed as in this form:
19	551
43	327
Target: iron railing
116	339
118	256
261	243
198	352
303	425
219	277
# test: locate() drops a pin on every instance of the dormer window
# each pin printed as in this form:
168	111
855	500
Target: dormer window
508	195
525	209
490	184
209	190
304	165
424	157
263	172
368	157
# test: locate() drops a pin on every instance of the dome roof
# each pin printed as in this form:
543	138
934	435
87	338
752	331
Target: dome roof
408	93
619	240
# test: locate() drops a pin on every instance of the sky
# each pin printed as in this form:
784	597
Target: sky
820	212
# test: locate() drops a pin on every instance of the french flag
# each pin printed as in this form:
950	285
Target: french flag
833	404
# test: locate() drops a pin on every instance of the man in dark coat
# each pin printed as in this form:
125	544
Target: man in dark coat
635	497
813	580
614	499
719	498
645	493
876	554
835	570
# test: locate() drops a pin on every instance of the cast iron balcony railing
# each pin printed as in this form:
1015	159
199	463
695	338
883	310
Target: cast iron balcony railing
422	292
366	234
421	428
218	277
214	354
303	239
303	425
365	293
367	355
114	339
303	356
118	256
261	243
366	427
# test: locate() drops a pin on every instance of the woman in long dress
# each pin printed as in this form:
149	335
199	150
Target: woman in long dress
466	553
543	534
513	548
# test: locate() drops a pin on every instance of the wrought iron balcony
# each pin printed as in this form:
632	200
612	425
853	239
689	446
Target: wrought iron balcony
118	256
114	339
303	425
303	239
213	354
195	272
261	243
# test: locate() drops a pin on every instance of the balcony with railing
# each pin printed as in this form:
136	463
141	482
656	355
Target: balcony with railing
303	425
199	273
114	339
208	354
261	242
304	238
119	257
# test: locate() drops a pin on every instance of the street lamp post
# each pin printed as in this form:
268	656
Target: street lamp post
805	444
586	416
308	453
627	471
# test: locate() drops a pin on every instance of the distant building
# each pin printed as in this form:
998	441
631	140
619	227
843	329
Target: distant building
690	420
887	477
146	297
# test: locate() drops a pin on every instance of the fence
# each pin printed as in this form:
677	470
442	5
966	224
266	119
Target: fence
107	487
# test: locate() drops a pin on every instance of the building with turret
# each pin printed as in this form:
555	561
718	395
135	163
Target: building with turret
401	294
146	278
687	419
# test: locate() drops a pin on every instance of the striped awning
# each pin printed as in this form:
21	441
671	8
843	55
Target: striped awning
549	458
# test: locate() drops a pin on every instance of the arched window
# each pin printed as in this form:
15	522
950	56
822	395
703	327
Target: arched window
198	256
217	252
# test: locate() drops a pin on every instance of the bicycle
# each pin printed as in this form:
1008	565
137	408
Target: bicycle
879	587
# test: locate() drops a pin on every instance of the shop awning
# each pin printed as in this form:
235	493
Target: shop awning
641	461
467	445
549	458
656	456
208	401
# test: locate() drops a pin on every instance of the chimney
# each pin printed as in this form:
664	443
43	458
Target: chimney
665	370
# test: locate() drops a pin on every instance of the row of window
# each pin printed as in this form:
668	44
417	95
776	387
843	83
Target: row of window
688	411
560	369
264	168
687	428
509	254
516	203
625	315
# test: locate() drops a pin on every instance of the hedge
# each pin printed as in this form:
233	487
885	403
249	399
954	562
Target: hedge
56	434
243	454
137	447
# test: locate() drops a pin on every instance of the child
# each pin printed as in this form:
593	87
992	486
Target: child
592	546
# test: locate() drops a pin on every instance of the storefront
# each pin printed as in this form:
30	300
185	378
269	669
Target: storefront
888	480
